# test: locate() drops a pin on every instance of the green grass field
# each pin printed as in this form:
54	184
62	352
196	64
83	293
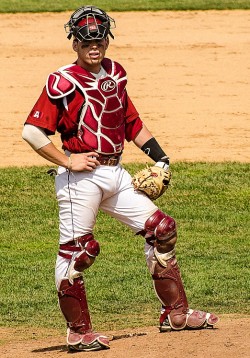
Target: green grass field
210	202
117	5
211	205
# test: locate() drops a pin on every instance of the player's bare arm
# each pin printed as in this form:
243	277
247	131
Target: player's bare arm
143	136
38	140
77	162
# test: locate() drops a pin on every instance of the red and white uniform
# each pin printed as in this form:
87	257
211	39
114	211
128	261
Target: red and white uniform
92	113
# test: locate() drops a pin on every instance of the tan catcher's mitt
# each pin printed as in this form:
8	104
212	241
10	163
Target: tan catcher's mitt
153	181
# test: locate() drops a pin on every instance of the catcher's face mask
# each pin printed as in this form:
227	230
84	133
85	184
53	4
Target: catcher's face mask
89	23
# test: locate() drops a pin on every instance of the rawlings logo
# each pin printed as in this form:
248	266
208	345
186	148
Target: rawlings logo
108	86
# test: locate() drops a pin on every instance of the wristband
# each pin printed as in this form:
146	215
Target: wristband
154	151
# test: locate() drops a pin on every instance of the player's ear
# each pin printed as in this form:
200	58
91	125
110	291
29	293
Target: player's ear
75	45
107	42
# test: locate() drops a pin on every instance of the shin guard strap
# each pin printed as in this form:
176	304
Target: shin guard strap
164	258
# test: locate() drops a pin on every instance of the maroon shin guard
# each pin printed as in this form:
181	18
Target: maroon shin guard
170	290
176	314
74	306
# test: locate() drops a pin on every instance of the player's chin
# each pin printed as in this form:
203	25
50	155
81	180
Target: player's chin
96	60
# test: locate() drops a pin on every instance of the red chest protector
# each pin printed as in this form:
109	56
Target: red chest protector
101	124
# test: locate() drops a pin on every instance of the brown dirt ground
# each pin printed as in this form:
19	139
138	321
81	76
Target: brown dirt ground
189	78
230	339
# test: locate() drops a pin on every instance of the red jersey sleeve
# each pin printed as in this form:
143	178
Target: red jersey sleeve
45	113
133	121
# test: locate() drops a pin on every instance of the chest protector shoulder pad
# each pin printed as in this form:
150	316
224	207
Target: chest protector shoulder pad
58	86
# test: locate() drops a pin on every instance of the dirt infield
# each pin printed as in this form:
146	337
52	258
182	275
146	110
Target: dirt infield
230	340
189	75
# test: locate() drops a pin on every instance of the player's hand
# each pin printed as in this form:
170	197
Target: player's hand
79	162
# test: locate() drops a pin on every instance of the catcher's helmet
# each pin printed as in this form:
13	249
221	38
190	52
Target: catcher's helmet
89	23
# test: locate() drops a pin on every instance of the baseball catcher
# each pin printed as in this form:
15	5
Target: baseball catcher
87	103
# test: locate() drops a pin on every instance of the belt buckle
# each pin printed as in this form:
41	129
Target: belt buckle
110	161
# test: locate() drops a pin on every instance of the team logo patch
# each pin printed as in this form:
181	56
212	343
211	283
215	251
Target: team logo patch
36	114
108	86
92	27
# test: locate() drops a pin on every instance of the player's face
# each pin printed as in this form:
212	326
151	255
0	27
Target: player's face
90	53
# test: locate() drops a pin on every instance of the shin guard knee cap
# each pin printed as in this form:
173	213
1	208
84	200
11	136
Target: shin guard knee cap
92	248
161	225
89	245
